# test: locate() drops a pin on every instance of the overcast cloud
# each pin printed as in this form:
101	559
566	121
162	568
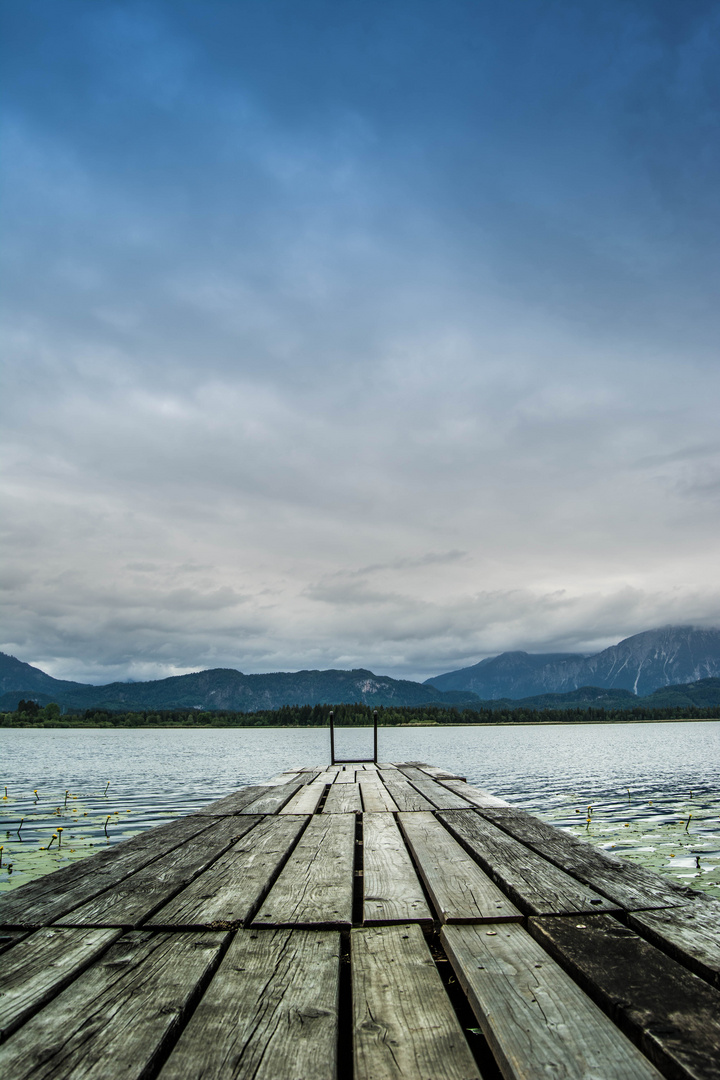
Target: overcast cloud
356	334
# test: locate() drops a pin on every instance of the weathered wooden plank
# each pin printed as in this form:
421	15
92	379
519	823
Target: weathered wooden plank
43	901
625	883
413	772
537	886
459	889
690	934
316	885
391	890
232	889
376	798
326	777
404	1025
347	776
117	1017
8	938
440	774
273	800
235	802
439	796
671	1014
405	795
343	799
304	801
129	902
270	1012
476	796
387	766
537	1021
282	778
41	965
305	776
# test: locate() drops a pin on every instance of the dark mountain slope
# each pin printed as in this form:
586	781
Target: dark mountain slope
511	674
642	664
704	694
221	688
17	675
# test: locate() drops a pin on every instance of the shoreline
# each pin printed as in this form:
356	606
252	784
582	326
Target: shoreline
351	727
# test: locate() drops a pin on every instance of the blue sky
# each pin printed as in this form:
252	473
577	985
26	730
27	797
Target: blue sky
344	334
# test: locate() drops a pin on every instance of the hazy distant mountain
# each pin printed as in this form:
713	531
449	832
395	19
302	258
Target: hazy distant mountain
639	665
220	688
642	664
511	675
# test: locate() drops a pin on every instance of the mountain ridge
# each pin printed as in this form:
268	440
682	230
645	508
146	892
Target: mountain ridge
651	662
221	688
642	663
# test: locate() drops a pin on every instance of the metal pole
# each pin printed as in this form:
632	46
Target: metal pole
375	736
332	737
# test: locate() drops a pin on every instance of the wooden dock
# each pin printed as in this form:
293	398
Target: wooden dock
364	922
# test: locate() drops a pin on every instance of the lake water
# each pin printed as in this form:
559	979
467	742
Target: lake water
650	792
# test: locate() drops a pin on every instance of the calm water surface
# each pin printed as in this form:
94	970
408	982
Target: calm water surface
648	791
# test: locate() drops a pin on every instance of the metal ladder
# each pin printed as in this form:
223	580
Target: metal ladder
346	761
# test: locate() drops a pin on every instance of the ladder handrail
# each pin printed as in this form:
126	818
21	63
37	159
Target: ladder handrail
347	761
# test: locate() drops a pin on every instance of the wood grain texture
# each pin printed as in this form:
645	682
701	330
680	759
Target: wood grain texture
404	794
413	772
41	966
305	776
690	934
304	801
440	774
391	890
326	777
459	889
229	893
118	1016
282	778
316	885
343	799
537	886
346	776
376	798
628	885
671	1014
235	802
476	796
43	901
439	796
537	1021
128	903
271	801
8	938
404	1025
270	1013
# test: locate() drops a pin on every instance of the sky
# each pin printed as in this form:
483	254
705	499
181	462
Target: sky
356	334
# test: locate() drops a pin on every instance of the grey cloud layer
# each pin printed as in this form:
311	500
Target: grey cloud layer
348	372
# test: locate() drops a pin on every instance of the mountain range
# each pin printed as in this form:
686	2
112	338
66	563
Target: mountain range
618	677
642	664
221	688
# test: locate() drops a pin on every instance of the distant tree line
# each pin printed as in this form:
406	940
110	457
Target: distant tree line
30	714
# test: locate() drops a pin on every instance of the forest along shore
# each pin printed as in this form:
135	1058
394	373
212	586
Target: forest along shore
346	715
